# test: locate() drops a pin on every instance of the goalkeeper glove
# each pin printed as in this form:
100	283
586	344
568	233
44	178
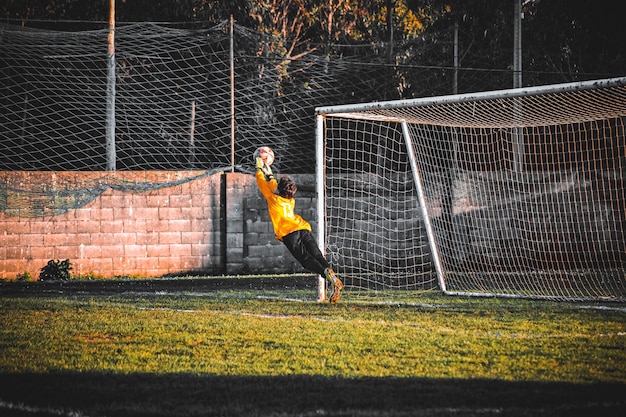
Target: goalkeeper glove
265	169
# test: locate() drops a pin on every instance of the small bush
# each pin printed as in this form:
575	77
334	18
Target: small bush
56	271
26	276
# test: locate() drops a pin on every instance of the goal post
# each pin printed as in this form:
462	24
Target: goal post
516	193
320	189
417	178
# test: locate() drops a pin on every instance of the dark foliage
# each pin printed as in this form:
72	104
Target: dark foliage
56	271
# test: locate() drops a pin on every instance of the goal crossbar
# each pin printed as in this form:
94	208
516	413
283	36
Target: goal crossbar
462	107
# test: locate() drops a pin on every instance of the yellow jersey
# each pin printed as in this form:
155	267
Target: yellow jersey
281	209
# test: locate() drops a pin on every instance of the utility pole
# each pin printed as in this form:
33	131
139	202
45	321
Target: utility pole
518	137
455	80
390	31
517	44
110	123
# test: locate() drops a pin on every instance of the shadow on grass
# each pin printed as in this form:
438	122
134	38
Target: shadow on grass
117	286
92	394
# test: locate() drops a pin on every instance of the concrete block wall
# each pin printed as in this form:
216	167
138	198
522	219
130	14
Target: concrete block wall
160	223
145	224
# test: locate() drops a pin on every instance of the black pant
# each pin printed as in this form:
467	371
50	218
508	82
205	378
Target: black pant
304	248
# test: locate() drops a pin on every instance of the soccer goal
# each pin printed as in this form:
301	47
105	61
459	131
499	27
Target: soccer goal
513	193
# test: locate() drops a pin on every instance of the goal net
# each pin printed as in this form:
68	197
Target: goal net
507	193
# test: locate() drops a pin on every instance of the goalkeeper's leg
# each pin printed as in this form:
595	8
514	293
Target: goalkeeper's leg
314	251
304	248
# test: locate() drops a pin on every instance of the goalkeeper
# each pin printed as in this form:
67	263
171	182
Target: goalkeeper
292	229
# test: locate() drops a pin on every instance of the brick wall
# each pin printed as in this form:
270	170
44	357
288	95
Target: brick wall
140	223
174	223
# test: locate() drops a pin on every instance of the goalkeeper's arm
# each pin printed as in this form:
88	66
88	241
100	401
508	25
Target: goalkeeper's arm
265	179
265	169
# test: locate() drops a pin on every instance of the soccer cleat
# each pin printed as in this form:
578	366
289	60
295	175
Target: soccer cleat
335	295
332	278
335	283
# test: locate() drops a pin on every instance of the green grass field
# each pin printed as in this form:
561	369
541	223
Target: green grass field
265	347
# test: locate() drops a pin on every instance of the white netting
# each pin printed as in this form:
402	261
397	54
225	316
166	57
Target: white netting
524	194
55	92
374	224
172	97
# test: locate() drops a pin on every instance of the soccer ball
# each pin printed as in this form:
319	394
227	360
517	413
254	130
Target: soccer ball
266	153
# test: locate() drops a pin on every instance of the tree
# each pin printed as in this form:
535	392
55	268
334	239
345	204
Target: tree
571	40
563	41
126	10
288	22
27	10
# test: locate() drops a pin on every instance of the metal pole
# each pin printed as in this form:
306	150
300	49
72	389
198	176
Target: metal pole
110	123
232	97
518	138
390	30
455	82
192	128
517	47
346	110
321	196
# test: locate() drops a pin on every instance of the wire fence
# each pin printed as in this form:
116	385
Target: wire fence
176	88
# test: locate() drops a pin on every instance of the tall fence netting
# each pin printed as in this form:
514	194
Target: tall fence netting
172	98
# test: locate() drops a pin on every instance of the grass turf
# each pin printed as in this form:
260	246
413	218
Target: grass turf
266	347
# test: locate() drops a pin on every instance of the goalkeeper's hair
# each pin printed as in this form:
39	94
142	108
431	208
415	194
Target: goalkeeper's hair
287	187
